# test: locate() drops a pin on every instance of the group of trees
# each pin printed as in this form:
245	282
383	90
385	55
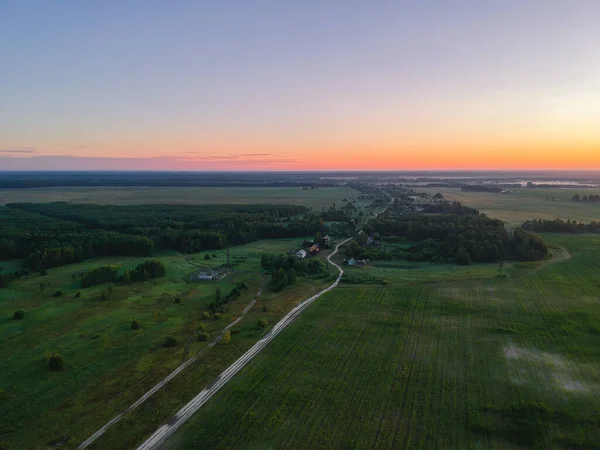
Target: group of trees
586	198
560	226
220	301
285	268
528	246
451	232
152	268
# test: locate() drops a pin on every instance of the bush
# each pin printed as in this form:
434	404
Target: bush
203	337
206	257
205	315
57	293
264	308
177	300
171	341
226	337
216	316
135	324
43	273
201	327
107	294
56	363
262	323
78	294
18	315
214	256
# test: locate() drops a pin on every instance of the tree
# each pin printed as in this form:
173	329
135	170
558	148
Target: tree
205	315
108	292
202	336
57	293
216	316
576	198
226	337
135	324
500	266
218	294
463	259
42	286
78	294
206	257
291	275
18	315
262	323
56	363
171	341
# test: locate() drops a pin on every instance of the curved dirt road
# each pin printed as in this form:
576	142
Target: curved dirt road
194	405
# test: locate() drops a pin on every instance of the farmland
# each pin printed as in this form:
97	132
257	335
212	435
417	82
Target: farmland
484	362
527	203
313	198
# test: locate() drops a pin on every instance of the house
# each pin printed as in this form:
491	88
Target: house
326	238
350	262
314	249
361	262
301	254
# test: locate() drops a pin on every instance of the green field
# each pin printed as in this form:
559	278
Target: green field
527	203
315	198
483	362
109	365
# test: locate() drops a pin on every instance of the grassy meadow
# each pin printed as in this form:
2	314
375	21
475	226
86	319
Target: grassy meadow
315	198
527	203
480	362
107	364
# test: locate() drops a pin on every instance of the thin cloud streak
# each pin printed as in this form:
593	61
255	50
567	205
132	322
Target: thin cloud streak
19	150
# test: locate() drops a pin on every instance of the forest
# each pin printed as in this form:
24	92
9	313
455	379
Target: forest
52	234
450	232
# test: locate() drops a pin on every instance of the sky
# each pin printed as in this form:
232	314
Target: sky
299	85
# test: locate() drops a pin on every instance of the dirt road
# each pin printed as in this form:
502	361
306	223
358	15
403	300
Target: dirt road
166	430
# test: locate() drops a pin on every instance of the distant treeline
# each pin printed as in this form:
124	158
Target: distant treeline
162	179
586	198
560	226
482	188
53	234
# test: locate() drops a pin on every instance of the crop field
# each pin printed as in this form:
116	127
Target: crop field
486	362
527	203
315	198
109	365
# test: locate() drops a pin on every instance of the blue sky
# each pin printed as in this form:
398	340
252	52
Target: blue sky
203	84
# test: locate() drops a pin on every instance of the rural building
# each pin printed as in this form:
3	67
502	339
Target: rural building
300	254
326	238
314	249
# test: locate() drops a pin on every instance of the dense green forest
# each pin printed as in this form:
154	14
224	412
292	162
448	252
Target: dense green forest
450	232
52	234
